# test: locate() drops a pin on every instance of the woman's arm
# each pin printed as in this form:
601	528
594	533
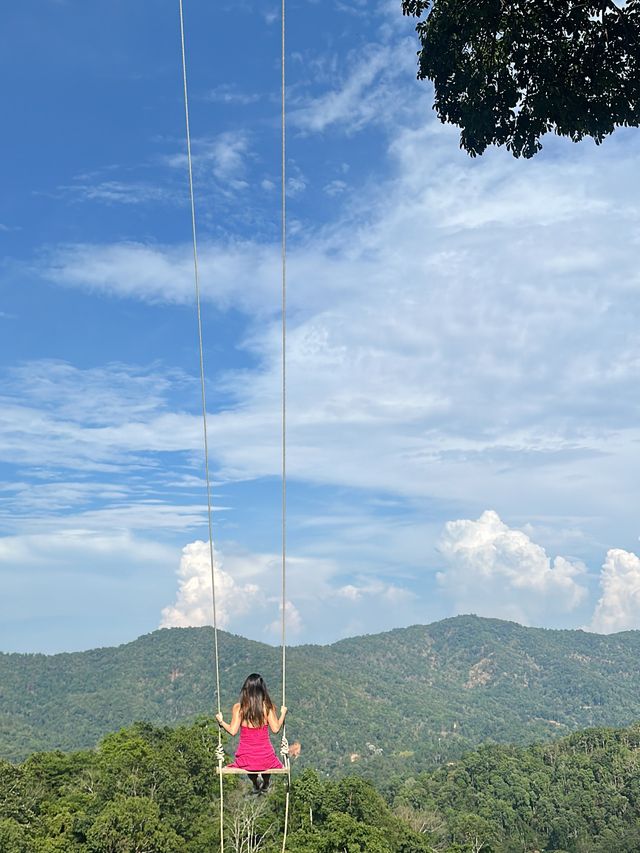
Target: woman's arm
234	726
275	723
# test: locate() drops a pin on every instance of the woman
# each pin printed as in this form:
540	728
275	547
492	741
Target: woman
253	716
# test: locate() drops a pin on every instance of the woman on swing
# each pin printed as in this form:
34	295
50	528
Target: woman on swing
253	716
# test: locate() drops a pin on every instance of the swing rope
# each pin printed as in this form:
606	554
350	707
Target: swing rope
219	752
284	747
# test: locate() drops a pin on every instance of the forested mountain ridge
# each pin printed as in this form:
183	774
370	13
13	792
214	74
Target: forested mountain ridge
409	698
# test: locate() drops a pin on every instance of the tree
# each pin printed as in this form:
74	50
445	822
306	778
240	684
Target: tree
132	825
14	836
474	832
508	71
249	826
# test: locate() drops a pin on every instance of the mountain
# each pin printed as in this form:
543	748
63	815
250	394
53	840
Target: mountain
403	700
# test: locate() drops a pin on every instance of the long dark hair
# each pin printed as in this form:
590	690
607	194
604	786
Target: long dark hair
255	702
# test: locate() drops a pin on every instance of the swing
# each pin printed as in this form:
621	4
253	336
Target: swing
223	771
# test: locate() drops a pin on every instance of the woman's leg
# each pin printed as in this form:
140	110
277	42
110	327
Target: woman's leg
266	778
254	779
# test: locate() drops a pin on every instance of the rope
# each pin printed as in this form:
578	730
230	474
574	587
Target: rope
284	369
219	752
284	748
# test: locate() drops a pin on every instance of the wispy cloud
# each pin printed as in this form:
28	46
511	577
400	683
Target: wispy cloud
56	416
226	156
336	187
71	548
461	335
229	93
366	93
164	274
120	192
463	323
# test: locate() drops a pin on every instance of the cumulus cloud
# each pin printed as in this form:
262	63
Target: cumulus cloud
493	570
293	621
618	608
193	604
246	591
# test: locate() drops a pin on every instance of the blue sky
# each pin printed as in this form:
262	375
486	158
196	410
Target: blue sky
464	356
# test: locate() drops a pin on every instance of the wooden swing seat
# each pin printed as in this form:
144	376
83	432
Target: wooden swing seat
238	771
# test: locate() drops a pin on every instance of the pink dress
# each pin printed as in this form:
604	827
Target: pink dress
255	752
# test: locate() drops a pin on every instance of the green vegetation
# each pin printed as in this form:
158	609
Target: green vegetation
508	71
154	789
397	702
579	794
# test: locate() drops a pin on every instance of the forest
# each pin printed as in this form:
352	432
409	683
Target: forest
423	695
150	789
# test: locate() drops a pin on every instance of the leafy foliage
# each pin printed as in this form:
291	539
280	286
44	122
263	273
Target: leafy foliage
577	794
384	704
154	789
508	71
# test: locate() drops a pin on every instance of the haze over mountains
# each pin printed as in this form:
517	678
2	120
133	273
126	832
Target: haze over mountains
406	699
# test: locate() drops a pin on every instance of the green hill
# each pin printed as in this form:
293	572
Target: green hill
403	700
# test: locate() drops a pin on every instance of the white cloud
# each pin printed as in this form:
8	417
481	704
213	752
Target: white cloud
228	93
163	274
74	549
249	595
462	333
228	154
193	604
389	593
618	608
296	185
225	156
493	570
434	349
367	92
56	416
336	187
463	327
119	192
349	591
293	622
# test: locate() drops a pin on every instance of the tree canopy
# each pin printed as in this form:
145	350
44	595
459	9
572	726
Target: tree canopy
508	71
148	789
